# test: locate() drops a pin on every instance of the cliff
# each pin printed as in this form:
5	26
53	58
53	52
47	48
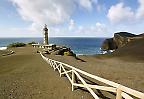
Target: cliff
119	40
132	50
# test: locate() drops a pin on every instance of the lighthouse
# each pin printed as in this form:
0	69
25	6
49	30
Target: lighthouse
45	33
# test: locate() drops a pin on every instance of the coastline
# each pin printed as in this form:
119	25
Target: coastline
78	45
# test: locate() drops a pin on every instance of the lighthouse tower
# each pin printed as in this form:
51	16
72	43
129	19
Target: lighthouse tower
45	32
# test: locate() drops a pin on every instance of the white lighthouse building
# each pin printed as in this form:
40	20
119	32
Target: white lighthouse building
45	44
45	33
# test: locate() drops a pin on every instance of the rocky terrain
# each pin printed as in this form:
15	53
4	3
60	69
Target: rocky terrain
58	50
6	52
119	40
127	46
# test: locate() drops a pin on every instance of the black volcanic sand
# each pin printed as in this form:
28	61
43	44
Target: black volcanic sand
133	51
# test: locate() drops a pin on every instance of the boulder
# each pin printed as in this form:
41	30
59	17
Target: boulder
63	51
57	52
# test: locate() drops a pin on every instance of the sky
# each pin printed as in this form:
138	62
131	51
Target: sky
70	18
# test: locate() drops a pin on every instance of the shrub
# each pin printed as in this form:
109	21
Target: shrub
30	43
68	53
17	44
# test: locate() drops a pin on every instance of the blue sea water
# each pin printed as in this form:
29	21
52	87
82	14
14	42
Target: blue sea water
85	46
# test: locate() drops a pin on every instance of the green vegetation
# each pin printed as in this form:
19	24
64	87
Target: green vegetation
30	43
69	53
17	44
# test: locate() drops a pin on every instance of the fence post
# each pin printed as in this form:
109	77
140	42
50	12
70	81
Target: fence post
60	69
54	65
49	62
118	94
73	78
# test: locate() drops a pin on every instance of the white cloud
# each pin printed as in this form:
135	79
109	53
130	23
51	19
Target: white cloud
71	24
51	12
119	12
140	10
101	28
85	4
96	30
18	32
45	11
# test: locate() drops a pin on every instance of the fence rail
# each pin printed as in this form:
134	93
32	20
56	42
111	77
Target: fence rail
72	72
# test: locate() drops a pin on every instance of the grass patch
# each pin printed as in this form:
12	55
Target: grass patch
17	44
30	43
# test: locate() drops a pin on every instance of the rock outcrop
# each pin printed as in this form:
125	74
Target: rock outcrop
119	40
60	50
109	44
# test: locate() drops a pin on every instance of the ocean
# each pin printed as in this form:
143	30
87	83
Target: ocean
80	46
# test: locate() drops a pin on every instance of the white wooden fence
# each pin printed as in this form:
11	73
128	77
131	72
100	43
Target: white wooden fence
120	90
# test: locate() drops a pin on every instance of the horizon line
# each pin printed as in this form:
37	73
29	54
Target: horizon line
60	37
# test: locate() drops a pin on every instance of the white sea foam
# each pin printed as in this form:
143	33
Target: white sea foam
106	52
79	54
3	48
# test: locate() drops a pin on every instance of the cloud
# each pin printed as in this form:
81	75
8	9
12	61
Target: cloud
101	28
98	30
18	32
85	4
118	13
71	24
140	10
45	11
52	12
93	30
